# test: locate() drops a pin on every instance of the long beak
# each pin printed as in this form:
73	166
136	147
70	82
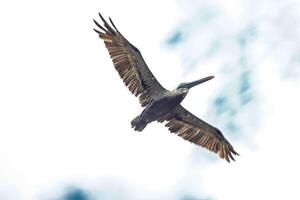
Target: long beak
197	82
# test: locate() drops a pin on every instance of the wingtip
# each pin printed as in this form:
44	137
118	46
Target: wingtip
112	23
235	153
101	16
97	31
106	25
97	24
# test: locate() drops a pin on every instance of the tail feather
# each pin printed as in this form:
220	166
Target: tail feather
138	123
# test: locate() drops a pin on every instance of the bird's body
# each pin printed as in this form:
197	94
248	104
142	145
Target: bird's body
159	108
160	104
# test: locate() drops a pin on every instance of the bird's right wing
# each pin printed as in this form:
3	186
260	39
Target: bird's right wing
197	131
129	63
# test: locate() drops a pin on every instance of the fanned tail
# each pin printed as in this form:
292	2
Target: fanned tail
138	123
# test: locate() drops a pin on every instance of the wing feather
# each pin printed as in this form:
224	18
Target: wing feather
189	127
129	63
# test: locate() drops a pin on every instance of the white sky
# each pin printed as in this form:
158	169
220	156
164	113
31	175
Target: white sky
65	114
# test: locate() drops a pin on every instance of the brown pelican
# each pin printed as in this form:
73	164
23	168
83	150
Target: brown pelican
160	104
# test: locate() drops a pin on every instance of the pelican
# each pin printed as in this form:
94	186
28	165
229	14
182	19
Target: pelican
160	104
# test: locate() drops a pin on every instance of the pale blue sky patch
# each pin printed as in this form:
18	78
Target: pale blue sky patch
213	48
206	14
191	197
246	35
175	39
75	193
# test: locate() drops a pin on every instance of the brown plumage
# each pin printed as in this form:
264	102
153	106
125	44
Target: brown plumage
129	63
195	130
161	104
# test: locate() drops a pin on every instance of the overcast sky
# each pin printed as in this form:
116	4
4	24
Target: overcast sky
65	114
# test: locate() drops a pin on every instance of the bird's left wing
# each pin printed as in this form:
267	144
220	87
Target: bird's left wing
195	130
129	63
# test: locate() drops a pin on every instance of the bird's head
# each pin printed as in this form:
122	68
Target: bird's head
189	85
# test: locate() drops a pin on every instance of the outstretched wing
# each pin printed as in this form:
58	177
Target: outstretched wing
193	129
129	63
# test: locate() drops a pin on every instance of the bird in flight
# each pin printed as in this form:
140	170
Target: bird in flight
160	104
